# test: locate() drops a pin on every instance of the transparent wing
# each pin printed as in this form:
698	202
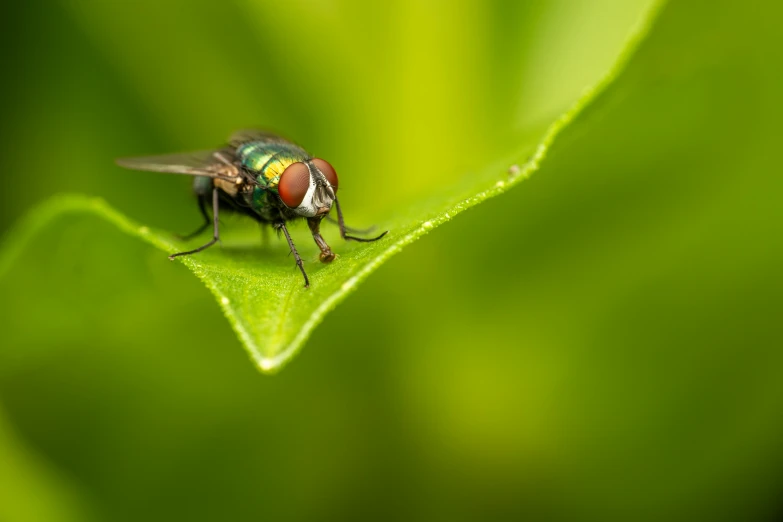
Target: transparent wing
200	163
246	135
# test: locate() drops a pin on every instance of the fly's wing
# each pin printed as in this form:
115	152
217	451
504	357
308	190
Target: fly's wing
246	135
201	163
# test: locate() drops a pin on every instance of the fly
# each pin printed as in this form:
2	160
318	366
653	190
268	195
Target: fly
263	176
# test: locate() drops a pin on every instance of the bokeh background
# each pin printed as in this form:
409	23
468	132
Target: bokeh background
602	342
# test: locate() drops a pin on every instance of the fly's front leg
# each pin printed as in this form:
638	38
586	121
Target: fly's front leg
216	235
281	225
351	230
327	256
344	229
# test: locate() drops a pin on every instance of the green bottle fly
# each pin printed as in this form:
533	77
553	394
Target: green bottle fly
263	176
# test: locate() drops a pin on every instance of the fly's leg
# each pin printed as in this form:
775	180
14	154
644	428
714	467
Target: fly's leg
280	225
327	256
351	230
216	235
341	224
202	206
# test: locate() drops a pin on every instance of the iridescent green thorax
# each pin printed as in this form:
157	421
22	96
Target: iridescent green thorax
267	161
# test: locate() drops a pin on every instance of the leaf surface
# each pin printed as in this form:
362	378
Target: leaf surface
259	288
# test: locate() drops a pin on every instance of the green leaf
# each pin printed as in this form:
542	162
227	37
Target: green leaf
259	289
602	342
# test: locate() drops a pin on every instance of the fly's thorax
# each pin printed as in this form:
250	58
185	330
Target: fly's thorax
266	162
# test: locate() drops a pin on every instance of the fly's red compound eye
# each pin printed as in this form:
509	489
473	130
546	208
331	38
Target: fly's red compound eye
293	184
327	171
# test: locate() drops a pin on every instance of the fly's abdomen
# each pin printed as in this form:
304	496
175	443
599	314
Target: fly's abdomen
268	161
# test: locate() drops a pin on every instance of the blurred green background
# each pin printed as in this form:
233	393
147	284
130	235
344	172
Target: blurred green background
601	343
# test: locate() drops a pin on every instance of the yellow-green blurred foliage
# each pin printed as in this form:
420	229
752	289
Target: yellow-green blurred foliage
601	343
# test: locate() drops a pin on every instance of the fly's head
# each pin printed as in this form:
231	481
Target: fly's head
308	187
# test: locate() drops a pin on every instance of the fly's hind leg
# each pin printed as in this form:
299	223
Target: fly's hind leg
216	235
280	225
202	206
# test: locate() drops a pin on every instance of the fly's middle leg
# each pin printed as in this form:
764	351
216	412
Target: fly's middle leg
215	236
202	206
281	226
